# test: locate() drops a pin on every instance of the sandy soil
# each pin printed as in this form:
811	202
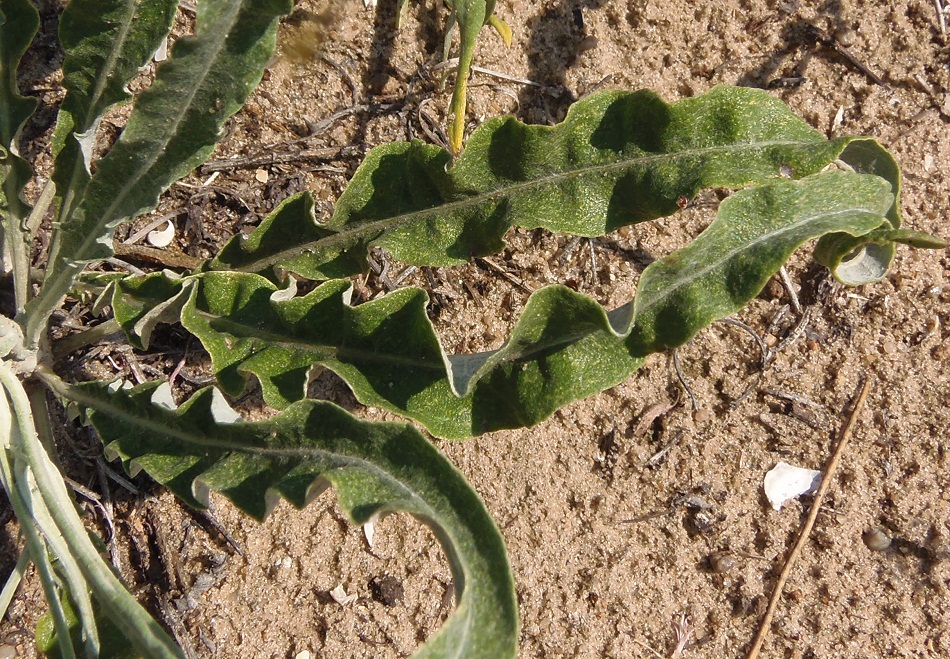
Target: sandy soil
611	545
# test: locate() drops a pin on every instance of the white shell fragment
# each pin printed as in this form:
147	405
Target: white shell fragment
340	597
162	237
161	54
369	531
785	482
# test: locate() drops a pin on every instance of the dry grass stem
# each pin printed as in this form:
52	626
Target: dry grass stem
826	480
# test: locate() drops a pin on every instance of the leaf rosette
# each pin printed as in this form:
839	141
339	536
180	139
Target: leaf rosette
618	158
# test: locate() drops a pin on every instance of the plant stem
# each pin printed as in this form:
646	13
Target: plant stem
9	588
141	630
17	241
85	338
36	547
35	318
42	205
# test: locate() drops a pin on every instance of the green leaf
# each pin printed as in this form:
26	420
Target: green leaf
375	468
564	347
19	22
40	484
113	643
857	260
172	129
752	237
106	43
140	303
853	260
617	159
289	225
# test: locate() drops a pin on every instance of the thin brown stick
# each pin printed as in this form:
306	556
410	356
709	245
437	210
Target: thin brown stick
810	522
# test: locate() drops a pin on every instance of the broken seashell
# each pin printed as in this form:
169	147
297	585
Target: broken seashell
162	237
785	482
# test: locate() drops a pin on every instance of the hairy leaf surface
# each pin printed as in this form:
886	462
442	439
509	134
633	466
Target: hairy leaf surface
172	129
106	43
617	159
374	467
565	346
19	22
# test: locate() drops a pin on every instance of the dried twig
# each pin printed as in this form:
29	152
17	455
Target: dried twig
162	257
454	62
651	414
504	274
834	44
682	379
660	455
154	224
790	289
302	155
793	398
759	341
797	332
826	480
647	647
595	280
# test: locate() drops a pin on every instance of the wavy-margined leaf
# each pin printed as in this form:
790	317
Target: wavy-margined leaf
140	303
106	43
19	22
172	129
617	159
374	467
565	346
852	259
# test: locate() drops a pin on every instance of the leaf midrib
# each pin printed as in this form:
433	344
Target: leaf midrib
341	353
109	64
422	509
94	97
203	441
712	265
215	48
381	227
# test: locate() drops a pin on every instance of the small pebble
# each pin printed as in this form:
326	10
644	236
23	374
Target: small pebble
846	37
721	562
876	539
7	652
587	43
386	589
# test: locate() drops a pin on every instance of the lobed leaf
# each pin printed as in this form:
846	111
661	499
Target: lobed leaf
140	303
375	468
617	159
172	129
106	43
565	346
